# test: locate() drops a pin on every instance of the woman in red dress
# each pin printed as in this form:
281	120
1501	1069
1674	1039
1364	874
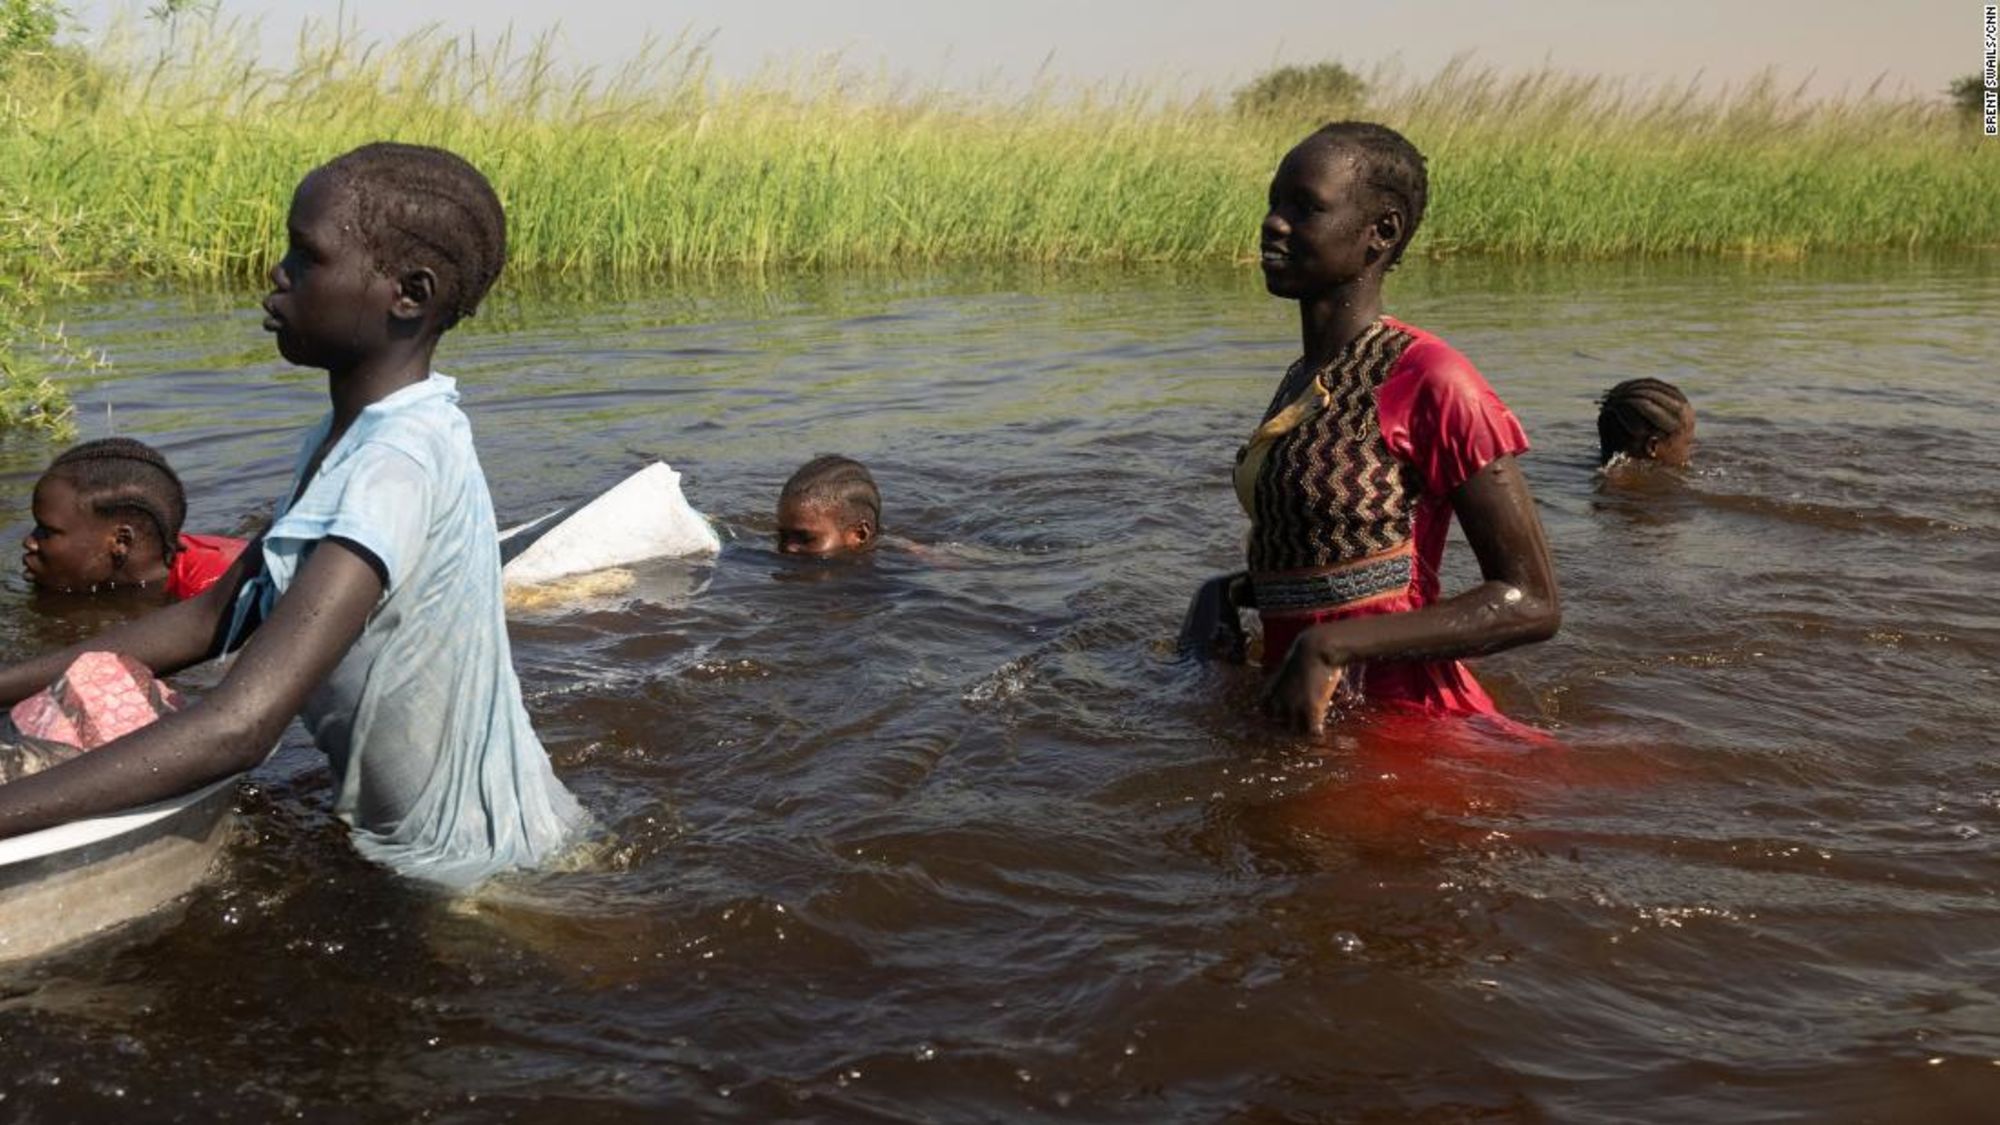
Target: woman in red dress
1375	439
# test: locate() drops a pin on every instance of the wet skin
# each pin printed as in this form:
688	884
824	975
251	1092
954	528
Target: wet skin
72	549
1673	450
374	333
1676	449
817	530
1326	241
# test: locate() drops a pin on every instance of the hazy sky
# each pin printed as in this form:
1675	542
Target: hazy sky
1918	45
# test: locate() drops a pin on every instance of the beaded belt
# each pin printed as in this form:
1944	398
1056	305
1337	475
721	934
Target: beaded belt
1289	593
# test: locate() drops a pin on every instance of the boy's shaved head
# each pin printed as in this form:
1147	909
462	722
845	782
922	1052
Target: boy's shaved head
422	207
840	484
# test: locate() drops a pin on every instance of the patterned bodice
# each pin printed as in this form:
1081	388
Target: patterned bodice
1330	491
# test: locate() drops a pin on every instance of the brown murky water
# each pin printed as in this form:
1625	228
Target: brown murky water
953	836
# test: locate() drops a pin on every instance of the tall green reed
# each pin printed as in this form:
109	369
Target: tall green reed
181	164
30	346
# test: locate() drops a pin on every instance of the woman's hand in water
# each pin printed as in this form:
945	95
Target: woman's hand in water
1212	629
1302	692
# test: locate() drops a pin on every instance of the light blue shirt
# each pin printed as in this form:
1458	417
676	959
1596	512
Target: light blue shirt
436	767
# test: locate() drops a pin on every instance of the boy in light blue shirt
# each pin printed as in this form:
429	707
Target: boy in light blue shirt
437	768
372	607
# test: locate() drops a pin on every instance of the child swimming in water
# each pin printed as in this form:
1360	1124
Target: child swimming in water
1645	420
108	517
372	607
1377	436
829	507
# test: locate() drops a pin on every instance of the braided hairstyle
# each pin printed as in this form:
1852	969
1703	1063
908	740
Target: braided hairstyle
1635	412
1390	165
120	476
422	207
840	483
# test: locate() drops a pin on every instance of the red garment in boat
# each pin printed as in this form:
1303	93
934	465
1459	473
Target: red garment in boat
1438	415
201	561
101	696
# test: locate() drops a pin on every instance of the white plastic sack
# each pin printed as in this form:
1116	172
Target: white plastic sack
642	517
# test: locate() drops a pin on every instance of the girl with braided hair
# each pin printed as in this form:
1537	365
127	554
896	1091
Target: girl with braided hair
108	517
1645	420
371	609
1377	436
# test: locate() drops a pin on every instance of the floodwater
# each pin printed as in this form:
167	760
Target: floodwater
953	836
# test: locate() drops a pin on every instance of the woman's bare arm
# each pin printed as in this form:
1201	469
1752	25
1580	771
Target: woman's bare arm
166	640
233	727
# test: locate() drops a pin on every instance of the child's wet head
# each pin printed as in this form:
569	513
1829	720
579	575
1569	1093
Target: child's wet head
107	513
328	300
1344	201
383	240
68	548
1645	420
830	506
815	530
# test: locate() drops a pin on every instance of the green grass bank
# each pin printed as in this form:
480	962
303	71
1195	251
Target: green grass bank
176	159
180	163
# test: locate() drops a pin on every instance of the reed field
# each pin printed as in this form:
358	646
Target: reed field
181	164
176	158
30	344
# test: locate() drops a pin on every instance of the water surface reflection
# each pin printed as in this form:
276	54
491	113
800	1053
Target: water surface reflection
952	836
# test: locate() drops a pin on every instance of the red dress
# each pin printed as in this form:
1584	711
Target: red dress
1350	506
201	561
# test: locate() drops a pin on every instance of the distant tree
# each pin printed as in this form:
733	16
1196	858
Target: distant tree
1968	94
37	67
28	29
1320	88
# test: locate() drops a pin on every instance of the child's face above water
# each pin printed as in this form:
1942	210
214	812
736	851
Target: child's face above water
70	546
329	304
817	530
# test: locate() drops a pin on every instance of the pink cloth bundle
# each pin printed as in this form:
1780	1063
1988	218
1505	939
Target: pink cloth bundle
100	696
